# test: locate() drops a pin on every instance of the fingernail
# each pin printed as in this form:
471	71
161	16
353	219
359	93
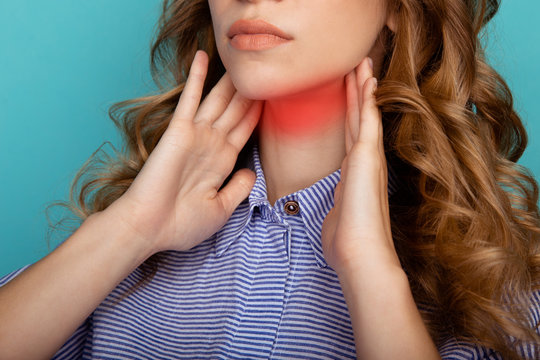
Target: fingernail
370	62
374	85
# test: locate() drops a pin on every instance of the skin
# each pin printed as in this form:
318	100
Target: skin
302	81
320	115
46	303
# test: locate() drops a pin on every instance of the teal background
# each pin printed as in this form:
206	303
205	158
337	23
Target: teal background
64	62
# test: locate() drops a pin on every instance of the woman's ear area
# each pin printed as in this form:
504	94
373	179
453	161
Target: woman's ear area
391	20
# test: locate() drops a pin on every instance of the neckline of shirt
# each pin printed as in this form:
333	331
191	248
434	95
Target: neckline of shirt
315	203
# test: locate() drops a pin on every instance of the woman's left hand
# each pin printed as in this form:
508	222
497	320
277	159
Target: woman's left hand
357	241
356	232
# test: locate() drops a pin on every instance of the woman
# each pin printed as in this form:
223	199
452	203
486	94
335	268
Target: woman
264	217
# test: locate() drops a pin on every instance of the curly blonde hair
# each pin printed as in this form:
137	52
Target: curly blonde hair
465	219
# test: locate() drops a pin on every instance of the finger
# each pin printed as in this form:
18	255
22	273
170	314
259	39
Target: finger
353	111
236	190
191	94
239	135
237	108
381	133
363	72
387	222
370	102
338	193
369	116
384	175
215	103
384	196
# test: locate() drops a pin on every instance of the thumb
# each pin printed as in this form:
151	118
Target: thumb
236	190
337	193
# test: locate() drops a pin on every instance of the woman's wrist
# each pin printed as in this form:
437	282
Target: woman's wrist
385	319
371	276
370	257
109	225
105	225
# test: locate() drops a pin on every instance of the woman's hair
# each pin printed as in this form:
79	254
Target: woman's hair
465	219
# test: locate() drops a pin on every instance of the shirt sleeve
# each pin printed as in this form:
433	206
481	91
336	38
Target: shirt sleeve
74	346
452	349
12	275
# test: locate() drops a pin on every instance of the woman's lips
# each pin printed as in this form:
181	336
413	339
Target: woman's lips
257	26
256	35
256	41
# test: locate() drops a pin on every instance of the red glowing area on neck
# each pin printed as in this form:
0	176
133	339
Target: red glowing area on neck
300	119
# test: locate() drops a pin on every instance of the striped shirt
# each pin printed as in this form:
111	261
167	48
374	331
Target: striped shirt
258	288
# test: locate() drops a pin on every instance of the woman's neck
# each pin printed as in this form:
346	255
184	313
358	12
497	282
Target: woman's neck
302	138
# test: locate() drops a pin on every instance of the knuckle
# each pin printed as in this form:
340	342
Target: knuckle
200	120
192	98
222	99
367	113
352	112
228	151
365	153
197	74
245	103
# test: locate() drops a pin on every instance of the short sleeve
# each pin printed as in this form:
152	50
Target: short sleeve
532	351
12	275
74	346
452	349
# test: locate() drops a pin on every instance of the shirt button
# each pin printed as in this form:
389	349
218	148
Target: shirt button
291	207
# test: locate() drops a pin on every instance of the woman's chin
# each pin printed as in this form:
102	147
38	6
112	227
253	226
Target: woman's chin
259	86
265	88
253	90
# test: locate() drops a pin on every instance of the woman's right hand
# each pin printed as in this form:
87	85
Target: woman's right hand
174	202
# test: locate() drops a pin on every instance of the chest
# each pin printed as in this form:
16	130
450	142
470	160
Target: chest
253	302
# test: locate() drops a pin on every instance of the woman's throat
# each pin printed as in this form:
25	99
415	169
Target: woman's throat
304	118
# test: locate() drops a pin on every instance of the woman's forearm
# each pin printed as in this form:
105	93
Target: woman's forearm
172	204
45	304
385	319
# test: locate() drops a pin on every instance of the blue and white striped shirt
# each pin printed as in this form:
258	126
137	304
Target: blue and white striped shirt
259	288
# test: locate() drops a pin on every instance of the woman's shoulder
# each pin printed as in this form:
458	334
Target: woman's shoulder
452	347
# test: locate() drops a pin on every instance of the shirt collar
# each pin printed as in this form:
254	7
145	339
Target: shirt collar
243	213
315	202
